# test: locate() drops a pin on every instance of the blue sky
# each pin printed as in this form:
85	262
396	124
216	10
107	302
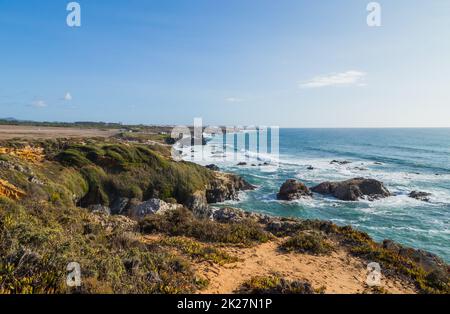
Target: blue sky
287	63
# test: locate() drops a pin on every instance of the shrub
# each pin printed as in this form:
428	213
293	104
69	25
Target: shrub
38	242
197	250
275	285
307	242
182	222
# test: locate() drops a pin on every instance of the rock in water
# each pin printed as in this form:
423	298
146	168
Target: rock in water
292	190
226	187
213	167
340	162
421	196
353	189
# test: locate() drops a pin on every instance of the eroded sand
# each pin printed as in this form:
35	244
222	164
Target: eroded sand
338	272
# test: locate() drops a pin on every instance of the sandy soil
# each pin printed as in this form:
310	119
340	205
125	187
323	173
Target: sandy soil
337	273
34	132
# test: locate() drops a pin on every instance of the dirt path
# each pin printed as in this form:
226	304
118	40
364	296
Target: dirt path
338	273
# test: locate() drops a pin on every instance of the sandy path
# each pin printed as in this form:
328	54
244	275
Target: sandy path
338	272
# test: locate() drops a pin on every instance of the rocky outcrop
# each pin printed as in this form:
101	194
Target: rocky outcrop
213	167
353	189
230	214
150	207
198	204
226	187
119	206
421	196
340	162
431	263
292	190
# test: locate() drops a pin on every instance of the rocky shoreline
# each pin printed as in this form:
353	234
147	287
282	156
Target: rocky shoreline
81	197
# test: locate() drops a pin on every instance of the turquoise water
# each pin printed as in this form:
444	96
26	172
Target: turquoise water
404	159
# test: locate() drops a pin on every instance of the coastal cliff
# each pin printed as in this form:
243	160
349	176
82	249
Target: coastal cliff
137	221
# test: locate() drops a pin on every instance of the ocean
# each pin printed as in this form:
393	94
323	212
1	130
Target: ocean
404	159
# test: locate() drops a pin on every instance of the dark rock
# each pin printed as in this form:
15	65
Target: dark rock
353	189
213	167
198	204
310	168
226	188
242	163
340	162
253	165
391	246
132	265
428	261
421	196
170	140
35	180
119	206
293	189
438	279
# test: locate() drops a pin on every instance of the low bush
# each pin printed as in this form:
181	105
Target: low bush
182	222
274	284
197	250
307	242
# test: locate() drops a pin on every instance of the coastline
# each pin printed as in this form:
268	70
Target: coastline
415	214
73	196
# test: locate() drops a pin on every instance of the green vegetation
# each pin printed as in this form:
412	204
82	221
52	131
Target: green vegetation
49	227
43	232
38	241
363	246
314	236
182	222
133	171
307	242
199	251
276	285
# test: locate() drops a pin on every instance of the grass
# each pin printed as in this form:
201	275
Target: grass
307	242
39	240
363	246
132	170
198	251
46	229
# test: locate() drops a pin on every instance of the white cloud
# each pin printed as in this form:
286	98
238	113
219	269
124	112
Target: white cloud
67	97
335	79
39	104
234	99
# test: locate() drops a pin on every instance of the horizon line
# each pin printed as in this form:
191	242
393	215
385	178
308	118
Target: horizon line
11	121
